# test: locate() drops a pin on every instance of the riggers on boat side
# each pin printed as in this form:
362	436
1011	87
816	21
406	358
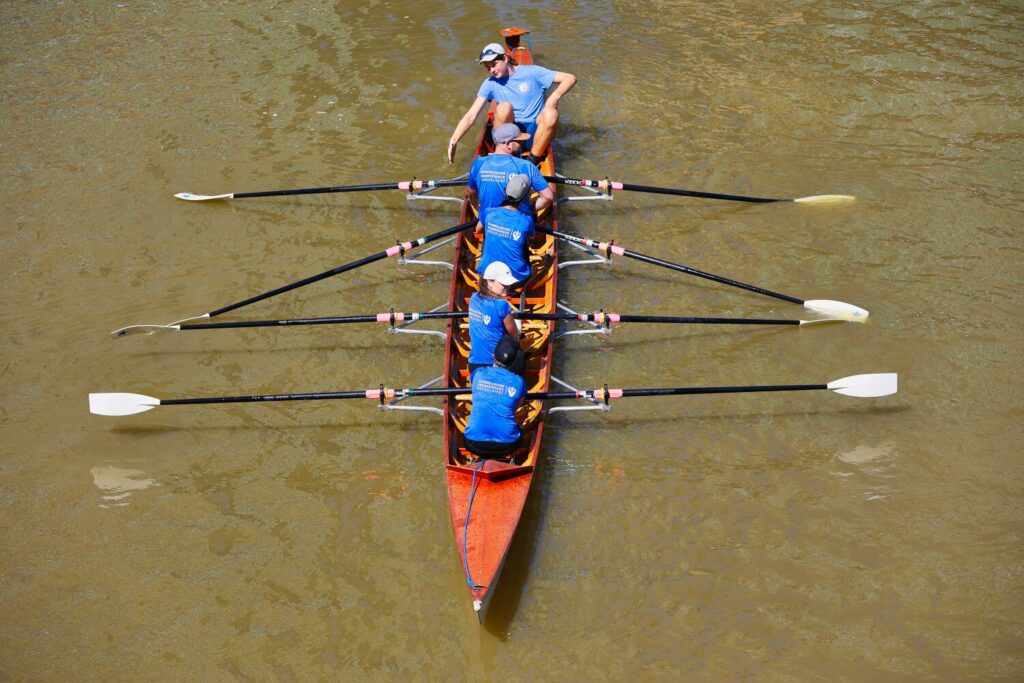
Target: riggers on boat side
486	498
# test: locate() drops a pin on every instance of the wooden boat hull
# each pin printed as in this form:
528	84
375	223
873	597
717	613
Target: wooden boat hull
486	499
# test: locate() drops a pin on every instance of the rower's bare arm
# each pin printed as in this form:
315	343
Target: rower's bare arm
467	121
544	198
565	82
511	328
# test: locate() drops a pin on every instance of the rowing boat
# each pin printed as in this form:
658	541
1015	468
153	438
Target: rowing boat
486	497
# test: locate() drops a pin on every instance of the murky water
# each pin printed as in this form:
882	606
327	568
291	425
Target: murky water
763	537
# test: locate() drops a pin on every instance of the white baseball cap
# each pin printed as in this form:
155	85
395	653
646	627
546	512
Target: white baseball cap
491	52
500	271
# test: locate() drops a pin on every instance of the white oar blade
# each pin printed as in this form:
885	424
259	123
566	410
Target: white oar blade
121	404
189	197
826	199
838	309
865	386
143	329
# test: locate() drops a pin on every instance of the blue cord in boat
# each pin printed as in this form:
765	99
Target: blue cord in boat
465	530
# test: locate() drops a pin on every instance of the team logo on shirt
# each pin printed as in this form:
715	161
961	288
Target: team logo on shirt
524	87
516	235
487	320
511	391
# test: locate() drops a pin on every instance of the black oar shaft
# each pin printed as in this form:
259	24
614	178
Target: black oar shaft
709	276
335	271
702	195
317	190
413	185
327	320
325	395
604	185
671	266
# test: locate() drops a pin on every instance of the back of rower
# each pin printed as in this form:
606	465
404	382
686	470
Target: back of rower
490	316
489	175
492	431
507	232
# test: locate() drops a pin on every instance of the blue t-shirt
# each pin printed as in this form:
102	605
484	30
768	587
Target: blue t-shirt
523	88
506	232
496	393
489	175
486	326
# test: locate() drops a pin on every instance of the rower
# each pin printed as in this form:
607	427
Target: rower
489	175
490	316
519	92
507	231
492	430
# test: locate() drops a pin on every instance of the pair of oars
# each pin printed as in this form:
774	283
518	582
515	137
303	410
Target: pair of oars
832	310
604	185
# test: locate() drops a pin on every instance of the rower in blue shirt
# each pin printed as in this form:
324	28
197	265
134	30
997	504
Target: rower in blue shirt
492	430
489	175
507	231
490	316
523	94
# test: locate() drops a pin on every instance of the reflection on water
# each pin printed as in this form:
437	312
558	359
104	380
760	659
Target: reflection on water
118	484
874	463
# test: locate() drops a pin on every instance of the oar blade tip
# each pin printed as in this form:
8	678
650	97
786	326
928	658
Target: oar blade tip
189	197
826	199
866	386
838	309
142	329
119	404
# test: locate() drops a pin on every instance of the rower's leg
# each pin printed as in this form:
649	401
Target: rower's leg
546	123
503	114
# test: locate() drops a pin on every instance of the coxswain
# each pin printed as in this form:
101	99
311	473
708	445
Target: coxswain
492	430
507	231
519	92
489	175
490	316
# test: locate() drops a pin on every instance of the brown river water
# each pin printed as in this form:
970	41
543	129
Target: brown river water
782	537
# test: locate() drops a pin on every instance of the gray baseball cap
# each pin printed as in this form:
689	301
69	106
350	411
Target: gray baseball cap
506	132
518	187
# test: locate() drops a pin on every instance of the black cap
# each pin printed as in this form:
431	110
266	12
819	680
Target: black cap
506	350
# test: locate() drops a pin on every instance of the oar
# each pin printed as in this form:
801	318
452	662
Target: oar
606	185
409	185
833	309
863	386
612	185
396	250
393	317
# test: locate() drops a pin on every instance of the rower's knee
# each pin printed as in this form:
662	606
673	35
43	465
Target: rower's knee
548	117
503	114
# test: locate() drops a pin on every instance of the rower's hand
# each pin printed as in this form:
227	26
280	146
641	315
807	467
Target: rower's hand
451	151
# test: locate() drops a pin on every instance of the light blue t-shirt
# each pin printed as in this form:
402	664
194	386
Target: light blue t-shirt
486	326
489	175
523	88
506	232
496	394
